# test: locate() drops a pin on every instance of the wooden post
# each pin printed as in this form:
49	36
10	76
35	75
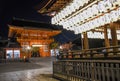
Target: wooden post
82	43
70	45
113	34
85	41
107	43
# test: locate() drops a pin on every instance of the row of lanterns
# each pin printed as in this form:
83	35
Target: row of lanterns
72	7
86	19
94	10
113	16
97	35
100	35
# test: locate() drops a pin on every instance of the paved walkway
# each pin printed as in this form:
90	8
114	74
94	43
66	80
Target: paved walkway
39	69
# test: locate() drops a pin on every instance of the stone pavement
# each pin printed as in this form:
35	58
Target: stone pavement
39	69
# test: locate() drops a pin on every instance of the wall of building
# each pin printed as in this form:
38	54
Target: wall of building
44	51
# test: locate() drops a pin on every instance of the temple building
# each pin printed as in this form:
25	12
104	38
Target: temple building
33	36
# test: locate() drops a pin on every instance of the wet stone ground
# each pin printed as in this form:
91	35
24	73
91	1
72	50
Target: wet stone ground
38	69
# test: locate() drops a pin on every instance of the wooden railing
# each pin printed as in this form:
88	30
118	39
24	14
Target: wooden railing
87	70
100	64
96	53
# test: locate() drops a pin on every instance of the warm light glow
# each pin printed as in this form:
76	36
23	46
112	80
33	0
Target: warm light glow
100	35
37	45
28	47
61	47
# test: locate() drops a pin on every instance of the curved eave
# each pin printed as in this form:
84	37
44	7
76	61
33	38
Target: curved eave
53	5
14	30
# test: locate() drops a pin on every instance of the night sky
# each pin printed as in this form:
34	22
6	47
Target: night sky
24	9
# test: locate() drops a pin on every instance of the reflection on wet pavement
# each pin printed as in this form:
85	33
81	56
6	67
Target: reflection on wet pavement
32	71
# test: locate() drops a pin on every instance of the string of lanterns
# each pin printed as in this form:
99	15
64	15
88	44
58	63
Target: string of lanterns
72	7
101	21
104	12
100	35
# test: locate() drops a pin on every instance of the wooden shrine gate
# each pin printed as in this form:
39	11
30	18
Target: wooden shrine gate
30	37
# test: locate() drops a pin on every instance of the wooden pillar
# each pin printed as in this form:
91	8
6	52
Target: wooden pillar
70	45
113	34
85	41
107	43
82	43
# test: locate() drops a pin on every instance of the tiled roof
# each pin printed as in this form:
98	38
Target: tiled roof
34	24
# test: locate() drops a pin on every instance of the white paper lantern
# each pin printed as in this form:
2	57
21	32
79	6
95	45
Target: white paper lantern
101	7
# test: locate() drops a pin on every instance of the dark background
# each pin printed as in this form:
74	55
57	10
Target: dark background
24	9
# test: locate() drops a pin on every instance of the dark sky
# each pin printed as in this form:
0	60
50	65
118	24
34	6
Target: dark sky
24	9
